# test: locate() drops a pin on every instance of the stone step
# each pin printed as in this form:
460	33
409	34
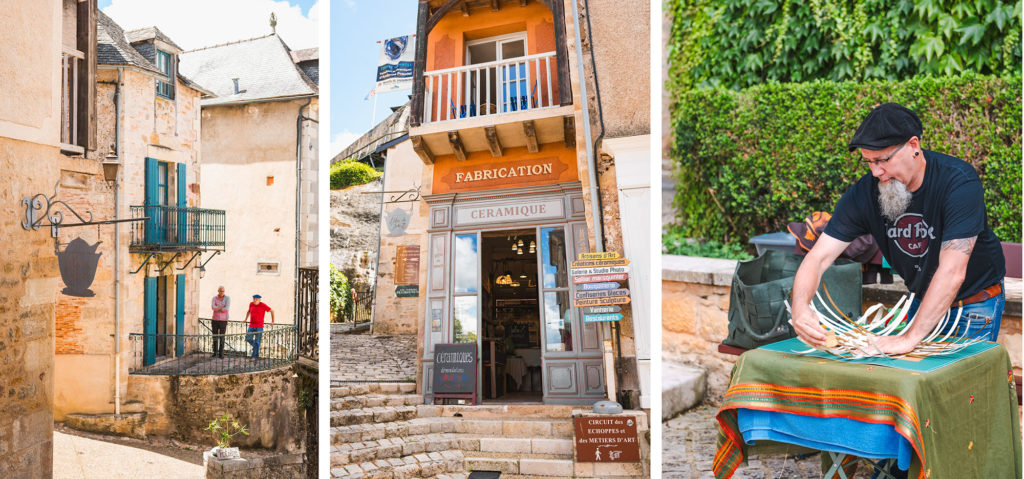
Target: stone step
374	431
504	427
359	389
419	465
516	445
451	476
380	414
368	451
516	463
375	400
492	411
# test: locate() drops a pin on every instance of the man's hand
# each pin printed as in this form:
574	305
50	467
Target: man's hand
806	326
896	344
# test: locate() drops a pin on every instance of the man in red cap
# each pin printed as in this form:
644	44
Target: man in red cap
257	310
926	211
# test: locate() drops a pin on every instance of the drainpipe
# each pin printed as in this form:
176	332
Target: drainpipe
298	198
595	194
117	247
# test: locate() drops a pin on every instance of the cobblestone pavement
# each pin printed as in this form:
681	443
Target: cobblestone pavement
86	457
361	357
688	448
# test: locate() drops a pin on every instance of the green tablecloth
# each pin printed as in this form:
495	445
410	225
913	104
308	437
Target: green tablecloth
962	420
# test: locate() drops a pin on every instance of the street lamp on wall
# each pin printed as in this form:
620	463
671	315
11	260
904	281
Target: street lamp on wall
111	163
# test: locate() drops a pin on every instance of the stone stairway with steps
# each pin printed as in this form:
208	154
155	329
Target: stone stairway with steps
384	430
376	434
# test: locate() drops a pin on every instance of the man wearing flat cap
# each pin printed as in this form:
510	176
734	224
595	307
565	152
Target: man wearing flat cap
254	316
926	212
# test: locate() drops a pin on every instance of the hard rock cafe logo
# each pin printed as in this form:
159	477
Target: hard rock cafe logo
911	234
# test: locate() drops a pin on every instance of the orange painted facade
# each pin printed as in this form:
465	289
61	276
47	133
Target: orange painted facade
552	164
447	44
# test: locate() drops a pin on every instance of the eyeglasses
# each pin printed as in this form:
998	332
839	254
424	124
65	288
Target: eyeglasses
882	161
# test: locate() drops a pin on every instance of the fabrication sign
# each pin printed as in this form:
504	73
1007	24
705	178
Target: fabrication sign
606	439
394	65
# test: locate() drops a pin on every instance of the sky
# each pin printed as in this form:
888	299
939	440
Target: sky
356	27
198	23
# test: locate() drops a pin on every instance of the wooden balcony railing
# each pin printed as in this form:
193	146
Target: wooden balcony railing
491	89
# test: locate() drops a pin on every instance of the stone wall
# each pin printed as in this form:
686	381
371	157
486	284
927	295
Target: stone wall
695	306
265	402
249	171
29	278
288	466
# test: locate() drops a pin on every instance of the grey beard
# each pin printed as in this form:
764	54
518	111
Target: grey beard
894	199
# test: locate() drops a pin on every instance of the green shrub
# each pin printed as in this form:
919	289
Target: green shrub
350	172
675	242
341	296
750	161
741	43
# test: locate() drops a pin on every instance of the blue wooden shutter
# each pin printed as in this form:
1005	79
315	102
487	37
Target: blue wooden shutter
149	322
151	200
182	204
179	319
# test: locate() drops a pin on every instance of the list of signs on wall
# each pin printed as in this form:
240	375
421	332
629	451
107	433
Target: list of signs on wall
454	369
606	439
407	271
599	290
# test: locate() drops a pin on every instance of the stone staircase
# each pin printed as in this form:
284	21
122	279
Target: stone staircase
384	430
377	434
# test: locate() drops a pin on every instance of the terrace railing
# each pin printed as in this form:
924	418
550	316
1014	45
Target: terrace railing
176	228
493	88
192	354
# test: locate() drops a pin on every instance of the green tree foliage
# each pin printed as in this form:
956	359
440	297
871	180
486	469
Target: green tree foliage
740	43
752	160
350	172
341	296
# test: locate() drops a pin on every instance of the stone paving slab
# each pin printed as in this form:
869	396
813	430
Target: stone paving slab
78	457
361	357
689	444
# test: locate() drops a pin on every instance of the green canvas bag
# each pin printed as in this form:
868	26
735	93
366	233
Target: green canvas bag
757	312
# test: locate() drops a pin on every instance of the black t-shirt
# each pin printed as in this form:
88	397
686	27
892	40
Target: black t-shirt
950	204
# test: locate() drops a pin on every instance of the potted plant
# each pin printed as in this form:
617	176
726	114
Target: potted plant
224	428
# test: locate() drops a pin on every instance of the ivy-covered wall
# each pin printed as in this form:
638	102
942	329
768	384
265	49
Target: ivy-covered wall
741	43
752	160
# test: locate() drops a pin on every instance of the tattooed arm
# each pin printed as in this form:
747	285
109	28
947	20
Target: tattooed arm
937	299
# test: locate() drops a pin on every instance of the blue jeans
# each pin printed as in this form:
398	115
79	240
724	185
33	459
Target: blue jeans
254	336
978	320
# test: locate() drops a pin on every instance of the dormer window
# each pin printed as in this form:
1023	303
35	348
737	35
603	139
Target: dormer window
165	63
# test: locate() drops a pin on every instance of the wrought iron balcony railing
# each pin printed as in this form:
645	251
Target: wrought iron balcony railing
175	228
192	354
492	88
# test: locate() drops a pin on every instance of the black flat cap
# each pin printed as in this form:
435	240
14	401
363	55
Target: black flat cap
888	124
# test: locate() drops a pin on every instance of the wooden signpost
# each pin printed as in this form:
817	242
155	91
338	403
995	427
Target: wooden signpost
598	276
606	439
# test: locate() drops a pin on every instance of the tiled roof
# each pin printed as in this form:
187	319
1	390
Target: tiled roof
112	48
263	66
149	33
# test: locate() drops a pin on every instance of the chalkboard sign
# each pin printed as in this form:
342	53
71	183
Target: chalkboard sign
454	369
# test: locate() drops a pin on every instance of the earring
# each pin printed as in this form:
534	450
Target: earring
917	153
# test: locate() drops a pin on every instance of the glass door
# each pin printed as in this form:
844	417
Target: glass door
501	87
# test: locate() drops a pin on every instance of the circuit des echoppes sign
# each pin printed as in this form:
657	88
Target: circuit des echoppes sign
606	439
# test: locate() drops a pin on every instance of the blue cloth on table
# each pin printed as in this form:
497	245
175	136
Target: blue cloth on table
836	434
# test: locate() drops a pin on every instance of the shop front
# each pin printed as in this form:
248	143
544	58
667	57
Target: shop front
501	238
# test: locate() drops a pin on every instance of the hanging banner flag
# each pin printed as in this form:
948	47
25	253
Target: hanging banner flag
394	68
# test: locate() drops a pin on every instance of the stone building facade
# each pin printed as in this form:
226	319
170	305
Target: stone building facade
46	119
147	121
260	150
496	153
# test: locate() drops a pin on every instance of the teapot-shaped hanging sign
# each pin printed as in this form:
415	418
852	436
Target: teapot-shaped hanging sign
78	264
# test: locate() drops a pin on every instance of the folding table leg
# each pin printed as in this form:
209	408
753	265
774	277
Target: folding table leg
837	466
